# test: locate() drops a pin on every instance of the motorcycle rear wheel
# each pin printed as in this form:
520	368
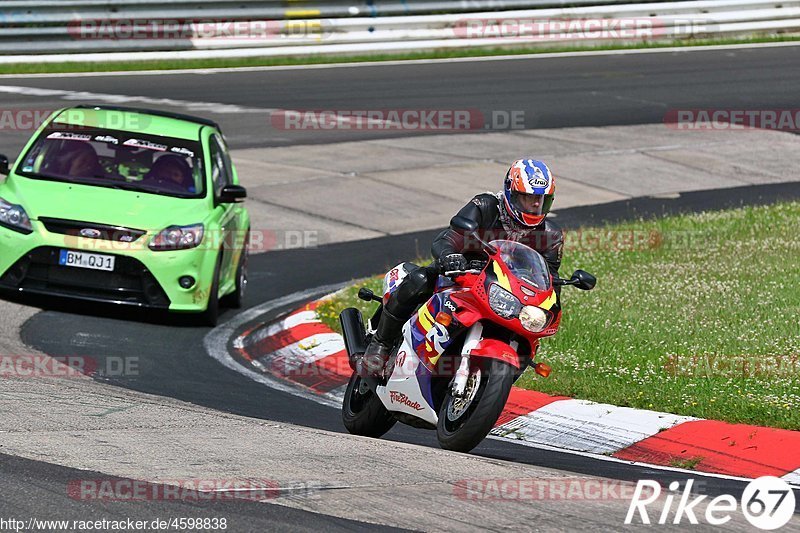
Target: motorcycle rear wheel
462	427
363	412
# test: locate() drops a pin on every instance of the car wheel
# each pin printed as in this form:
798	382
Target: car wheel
236	298
211	314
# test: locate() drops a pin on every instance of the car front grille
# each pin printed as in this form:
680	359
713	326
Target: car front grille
130	282
91	230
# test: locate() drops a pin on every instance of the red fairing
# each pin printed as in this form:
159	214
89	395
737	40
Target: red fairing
469	309
495	349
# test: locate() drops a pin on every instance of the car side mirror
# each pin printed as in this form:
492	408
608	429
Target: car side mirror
232	194
463	225
583	280
4	170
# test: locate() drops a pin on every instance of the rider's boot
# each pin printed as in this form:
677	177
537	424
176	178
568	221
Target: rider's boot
377	354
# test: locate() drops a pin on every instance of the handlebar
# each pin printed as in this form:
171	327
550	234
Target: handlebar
473	267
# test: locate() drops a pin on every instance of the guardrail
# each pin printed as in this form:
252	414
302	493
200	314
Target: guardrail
91	30
62	12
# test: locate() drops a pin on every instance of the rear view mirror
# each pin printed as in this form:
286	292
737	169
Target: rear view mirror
3	165
468	227
583	280
463	225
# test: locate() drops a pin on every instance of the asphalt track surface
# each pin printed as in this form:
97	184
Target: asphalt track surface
552	92
35	489
566	92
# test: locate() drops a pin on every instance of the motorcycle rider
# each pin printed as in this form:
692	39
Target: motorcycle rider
516	213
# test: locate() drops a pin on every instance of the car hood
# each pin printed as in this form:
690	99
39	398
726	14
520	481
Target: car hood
102	205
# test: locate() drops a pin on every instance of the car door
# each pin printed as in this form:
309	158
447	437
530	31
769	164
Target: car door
222	175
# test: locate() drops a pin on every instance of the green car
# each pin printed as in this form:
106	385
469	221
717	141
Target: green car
130	206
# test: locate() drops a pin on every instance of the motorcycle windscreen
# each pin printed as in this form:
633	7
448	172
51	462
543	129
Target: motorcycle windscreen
525	263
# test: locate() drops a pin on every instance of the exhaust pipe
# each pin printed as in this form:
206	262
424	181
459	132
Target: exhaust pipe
355	338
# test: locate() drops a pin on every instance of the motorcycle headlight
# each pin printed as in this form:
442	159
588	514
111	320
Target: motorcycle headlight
502	302
533	319
177	238
14	217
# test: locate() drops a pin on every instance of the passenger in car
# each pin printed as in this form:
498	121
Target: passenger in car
172	173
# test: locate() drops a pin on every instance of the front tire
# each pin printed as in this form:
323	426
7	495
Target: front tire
463	424
211	315
362	411
235	299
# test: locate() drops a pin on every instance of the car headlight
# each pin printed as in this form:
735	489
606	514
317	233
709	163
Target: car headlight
533	319
178	238
14	217
502	302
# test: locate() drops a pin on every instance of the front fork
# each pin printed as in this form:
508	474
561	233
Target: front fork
459	384
474	337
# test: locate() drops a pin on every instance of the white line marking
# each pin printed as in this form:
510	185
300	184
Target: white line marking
511	57
119	99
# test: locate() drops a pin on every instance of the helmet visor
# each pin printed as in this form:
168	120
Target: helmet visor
532	204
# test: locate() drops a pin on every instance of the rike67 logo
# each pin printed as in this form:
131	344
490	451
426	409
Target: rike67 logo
768	503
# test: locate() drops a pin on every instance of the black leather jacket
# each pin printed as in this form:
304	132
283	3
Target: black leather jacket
547	238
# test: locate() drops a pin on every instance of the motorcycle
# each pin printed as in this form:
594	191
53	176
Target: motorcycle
459	354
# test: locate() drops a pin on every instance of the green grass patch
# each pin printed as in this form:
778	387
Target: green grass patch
694	315
686	464
33	67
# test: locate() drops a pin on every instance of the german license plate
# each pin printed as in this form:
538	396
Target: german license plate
86	260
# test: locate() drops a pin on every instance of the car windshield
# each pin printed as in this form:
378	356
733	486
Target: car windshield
525	263
117	159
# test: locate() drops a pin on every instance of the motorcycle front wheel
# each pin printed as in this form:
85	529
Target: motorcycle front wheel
464	422
363	412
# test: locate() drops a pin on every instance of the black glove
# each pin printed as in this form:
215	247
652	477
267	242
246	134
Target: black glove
453	263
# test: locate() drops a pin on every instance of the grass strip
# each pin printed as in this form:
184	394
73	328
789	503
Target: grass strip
34	67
